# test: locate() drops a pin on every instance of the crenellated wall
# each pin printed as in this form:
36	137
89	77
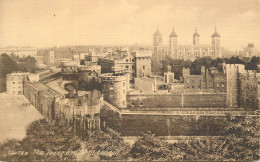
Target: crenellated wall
175	100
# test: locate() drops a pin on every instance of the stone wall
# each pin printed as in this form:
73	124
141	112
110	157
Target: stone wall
175	100
162	125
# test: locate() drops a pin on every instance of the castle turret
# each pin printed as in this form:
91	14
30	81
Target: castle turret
216	44
196	38
157	38
114	89
157	50
173	44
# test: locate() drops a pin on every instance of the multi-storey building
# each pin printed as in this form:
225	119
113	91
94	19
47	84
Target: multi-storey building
14	83
59	55
210	80
186	52
137	63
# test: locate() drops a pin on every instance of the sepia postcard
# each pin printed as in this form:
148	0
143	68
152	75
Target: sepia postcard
130	80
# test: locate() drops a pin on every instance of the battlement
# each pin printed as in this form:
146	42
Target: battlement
89	68
142	54
113	77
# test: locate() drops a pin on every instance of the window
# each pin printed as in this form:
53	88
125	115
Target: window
123	83
126	60
196	53
180	53
126	66
204	53
13	82
193	86
123	91
188	53
111	88
133	104
188	87
212	53
89	74
143	67
123	102
141	104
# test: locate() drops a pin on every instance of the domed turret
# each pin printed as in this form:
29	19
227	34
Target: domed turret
216	34
157	33
196	37
173	44
196	34
157	38
173	34
216	44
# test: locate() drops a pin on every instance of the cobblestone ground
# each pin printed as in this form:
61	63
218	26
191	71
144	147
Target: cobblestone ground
15	116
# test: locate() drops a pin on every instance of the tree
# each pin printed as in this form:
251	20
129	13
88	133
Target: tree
44	141
149	147
107	145
243	136
7	65
204	149
248	96
252	64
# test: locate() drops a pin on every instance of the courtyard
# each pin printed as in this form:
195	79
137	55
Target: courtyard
16	113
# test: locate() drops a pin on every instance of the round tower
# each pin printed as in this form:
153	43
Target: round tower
173	44
216	44
114	89
196	38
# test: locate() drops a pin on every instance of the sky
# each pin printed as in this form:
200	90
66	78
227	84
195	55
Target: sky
119	22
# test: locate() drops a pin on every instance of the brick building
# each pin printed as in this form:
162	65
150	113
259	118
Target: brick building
210	80
137	64
14	83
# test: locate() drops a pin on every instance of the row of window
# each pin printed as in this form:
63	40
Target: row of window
218	85
140	104
196	54
17	82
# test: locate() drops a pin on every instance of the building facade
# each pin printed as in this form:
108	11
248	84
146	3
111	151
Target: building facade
186	52
14	83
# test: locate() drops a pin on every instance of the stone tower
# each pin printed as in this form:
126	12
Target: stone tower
157	52
216	44
114	89
232	71
196	38
157	42
173	44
